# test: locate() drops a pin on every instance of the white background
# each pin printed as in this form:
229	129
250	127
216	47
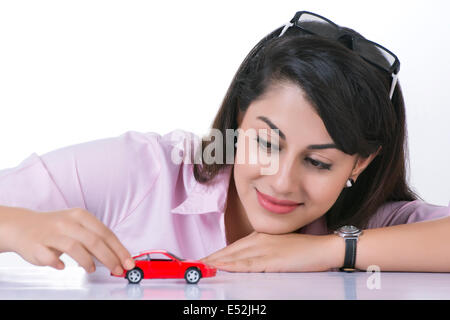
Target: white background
75	71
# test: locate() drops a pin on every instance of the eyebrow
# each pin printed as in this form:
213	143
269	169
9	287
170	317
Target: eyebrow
283	136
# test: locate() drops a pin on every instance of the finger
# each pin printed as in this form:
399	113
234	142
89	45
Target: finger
221	255
96	246
233	248
44	256
59	263
241	255
253	264
74	249
91	222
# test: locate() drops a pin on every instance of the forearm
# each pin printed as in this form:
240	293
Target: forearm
415	247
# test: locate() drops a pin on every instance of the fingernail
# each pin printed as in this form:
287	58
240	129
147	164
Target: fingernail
129	264
118	270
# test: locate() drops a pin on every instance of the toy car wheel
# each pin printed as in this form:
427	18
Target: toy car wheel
192	275
135	275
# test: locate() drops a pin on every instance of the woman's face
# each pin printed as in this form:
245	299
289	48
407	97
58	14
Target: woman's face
314	178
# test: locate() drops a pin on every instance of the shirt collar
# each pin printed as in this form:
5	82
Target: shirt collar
204	197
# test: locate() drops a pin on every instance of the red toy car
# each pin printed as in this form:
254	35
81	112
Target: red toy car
162	264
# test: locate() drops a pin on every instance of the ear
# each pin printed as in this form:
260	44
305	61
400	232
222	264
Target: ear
362	163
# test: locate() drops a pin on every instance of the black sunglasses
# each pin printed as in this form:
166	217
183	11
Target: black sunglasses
382	58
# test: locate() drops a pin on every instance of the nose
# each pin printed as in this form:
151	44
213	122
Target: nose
286	180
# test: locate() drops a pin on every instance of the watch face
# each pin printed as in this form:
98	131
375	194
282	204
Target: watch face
349	229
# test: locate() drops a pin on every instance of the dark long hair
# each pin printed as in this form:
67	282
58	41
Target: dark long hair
352	98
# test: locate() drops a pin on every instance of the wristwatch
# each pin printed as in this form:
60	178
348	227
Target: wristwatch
350	235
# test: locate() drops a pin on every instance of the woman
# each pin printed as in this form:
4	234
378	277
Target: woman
328	104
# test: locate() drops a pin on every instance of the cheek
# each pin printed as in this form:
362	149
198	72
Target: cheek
244	175
322	190
323	186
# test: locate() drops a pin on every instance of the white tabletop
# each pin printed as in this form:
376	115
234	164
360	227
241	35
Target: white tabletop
74	283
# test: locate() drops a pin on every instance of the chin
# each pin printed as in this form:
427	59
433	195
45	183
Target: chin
270	227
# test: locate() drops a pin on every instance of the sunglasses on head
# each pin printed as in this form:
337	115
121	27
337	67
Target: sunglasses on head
370	51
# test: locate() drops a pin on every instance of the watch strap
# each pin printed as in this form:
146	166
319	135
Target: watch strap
350	255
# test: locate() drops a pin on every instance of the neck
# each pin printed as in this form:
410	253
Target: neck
237	225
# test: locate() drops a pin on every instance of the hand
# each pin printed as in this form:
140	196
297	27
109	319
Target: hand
42	237
260	252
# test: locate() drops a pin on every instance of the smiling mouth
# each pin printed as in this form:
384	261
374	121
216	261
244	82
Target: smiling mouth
275	205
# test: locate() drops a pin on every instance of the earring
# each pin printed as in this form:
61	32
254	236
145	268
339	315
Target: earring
235	145
350	182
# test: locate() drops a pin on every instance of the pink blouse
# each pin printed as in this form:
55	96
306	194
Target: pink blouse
131	184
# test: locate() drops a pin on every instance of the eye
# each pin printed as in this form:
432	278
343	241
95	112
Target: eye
265	145
318	164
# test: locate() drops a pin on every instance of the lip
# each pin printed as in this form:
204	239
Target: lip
276	205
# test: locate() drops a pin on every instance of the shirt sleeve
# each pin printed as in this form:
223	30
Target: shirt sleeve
403	212
107	177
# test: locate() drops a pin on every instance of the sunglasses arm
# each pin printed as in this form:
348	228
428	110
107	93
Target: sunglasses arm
286	26
394	82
